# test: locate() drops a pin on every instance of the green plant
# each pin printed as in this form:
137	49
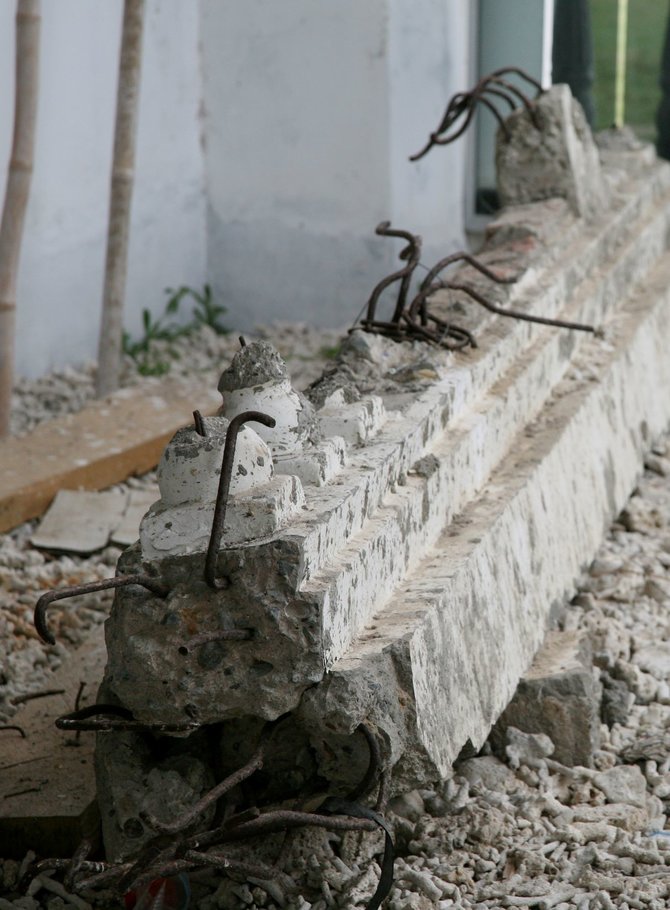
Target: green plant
205	311
151	362
329	352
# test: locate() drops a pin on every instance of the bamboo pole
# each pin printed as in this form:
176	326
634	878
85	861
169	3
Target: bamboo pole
18	187
111	329
620	77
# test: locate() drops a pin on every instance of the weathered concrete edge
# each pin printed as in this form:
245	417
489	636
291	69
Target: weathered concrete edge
631	250
457	637
410	519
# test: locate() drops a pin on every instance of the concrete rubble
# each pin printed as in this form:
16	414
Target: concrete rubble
466	497
558	696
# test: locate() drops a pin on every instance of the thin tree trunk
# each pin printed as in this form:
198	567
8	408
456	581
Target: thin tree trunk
111	329
18	186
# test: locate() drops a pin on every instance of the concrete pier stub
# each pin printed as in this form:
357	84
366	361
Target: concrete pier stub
556	156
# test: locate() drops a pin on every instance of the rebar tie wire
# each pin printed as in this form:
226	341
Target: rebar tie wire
464	104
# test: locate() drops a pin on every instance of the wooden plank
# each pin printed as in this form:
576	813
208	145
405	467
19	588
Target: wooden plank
103	444
47	781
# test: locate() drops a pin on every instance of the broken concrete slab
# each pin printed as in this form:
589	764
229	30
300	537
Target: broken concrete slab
47	782
559	697
78	521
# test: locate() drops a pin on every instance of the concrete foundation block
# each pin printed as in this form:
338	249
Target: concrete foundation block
560	697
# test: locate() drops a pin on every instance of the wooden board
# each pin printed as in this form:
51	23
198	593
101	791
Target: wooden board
103	444
47	781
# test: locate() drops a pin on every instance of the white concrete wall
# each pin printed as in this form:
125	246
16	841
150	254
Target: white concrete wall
62	262
429	60
311	113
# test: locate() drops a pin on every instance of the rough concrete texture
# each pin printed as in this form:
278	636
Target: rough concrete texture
356	422
257	380
456	529
188	478
156	671
190	468
178	530
559	697
557	158
489	585
316	464
138	773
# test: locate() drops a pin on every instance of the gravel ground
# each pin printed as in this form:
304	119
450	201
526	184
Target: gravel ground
523	832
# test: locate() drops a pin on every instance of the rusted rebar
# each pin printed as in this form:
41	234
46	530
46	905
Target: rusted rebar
105	718
411	253
155	585
464	105
205	638
223	490
14	727
225	786
199	424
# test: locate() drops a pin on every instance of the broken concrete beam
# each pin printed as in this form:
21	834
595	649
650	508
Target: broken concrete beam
47	782
558	157
75	452
352	545
456	530
488	587
559	697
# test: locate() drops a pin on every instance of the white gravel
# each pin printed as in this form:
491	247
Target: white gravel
527	832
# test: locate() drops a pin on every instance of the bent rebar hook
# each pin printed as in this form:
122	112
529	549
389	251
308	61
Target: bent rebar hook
40	617
222	494
465	103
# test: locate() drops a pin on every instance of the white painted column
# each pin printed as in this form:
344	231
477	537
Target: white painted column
311	113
